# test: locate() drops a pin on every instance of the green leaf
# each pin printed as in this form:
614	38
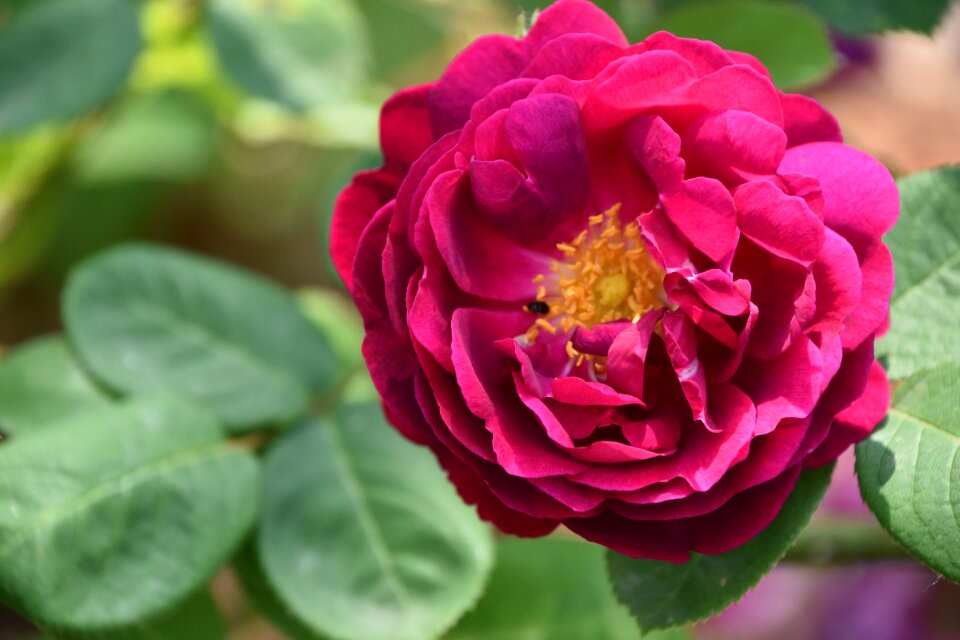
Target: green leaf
790	40
300	53
61	58
664	594
40	382
195	619
548	589
926	254
401	31
909	468
146	318
362	536
337	318
263	597
170	136
858	17
115	516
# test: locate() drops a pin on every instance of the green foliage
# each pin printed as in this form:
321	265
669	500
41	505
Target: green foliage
195	619
116	515
401	31
61	58
908	469
300	53
40	383
144	318
547	590
663	594
362	537
859	17
159	136
789	40
926	251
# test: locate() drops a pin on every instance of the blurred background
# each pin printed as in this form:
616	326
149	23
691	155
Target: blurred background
228	127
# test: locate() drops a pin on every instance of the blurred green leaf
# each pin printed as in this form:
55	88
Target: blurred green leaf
664	594
926	255
908	469
790	40
362	537
858	17
300	53
115	516
263	597
40	382
195	619
146	318
337	318
547	589
169	136
401	30
61	58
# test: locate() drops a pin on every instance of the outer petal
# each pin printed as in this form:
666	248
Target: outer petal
860	197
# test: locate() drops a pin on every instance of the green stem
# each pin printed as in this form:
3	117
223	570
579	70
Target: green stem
843	540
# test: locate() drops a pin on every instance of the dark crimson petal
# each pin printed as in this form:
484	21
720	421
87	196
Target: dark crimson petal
666	541
876	268
787	386
480	261
747	514
352	212
855	423
405	131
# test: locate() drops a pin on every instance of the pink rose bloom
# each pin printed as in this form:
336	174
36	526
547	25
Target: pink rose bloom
633	290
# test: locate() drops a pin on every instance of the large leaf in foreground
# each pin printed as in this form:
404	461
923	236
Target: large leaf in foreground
909	468
362	537
549	589
664	594
146	318
40	382
60	58
925	243
116	515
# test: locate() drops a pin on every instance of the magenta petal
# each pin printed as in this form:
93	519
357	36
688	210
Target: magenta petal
405	131
480	261
860	197
547	135
578	56
703	210
805	121
734	146
839	282
626	359
487	63
573	16
738	87
706	57
785	387
783	225
352	212
657	148
681	344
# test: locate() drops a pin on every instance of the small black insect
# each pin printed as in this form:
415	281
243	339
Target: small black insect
538	306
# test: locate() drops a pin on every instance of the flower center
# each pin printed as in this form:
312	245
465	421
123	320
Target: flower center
606	275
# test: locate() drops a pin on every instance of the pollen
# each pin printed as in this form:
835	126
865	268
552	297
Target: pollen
604	274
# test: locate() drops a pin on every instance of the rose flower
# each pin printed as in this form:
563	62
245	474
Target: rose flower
630	289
